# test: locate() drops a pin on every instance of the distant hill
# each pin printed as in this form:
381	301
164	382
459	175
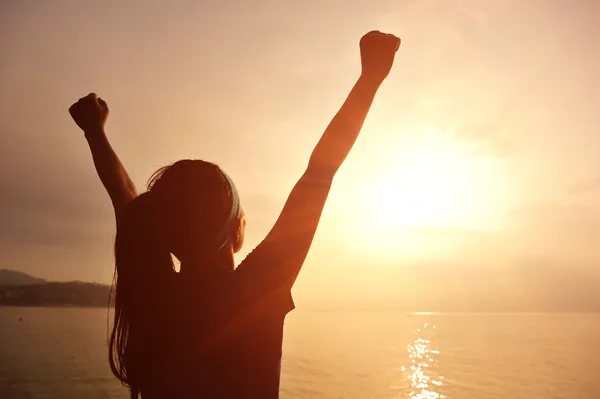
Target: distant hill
55	294
13	277
20	289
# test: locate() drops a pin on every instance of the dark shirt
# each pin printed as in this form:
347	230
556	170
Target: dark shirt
231	346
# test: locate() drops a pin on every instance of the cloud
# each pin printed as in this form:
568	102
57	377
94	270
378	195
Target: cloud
585	187
49	206
557	229
553	211
559	225
485	139
497	147
45	227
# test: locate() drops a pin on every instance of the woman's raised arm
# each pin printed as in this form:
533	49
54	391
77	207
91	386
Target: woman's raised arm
288	242
90	114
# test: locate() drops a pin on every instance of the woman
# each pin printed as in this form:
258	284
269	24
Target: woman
213	330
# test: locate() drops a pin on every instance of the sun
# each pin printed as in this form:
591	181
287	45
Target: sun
432	183
430	189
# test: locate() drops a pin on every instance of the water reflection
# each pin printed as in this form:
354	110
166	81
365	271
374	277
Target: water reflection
423	379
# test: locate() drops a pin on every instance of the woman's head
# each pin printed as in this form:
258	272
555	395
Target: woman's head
197	209
191	210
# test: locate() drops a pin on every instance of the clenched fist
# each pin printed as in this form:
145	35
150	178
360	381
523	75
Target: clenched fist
377	51
90	113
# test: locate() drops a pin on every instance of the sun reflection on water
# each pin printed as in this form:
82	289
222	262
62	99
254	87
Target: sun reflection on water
423	379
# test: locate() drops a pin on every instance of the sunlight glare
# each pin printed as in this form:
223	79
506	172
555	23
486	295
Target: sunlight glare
406	195
434	188
424	381
417	186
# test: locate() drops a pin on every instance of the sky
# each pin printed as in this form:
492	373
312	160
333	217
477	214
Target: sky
479	157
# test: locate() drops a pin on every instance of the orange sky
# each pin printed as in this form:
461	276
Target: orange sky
481	148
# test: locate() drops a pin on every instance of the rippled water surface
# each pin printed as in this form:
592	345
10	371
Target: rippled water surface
61	353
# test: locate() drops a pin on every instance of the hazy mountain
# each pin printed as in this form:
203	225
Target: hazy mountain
12	277
20	289
55	294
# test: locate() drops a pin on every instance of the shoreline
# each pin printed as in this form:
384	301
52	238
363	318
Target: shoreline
374	310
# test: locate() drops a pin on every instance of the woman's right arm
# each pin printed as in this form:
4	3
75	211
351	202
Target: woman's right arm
282	253
90	114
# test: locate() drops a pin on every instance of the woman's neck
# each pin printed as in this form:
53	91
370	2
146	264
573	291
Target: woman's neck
221	262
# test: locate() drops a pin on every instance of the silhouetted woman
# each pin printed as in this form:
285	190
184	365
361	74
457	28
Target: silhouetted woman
213	330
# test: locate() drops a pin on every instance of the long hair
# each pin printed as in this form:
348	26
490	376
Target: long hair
188	206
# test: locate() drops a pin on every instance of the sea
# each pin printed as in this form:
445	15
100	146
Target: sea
62	353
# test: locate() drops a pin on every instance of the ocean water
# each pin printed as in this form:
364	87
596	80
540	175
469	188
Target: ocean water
61	353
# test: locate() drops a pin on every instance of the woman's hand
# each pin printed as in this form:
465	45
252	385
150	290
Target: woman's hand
90	113
377	51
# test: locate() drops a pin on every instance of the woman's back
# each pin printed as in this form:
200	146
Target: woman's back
226	337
